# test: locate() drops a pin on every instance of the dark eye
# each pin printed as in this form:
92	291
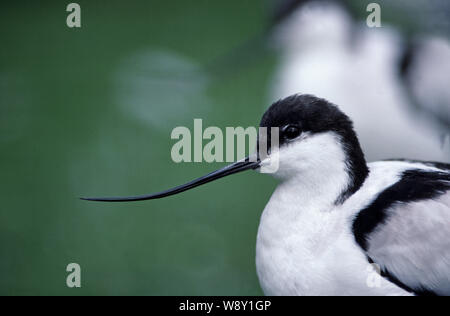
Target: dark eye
291	131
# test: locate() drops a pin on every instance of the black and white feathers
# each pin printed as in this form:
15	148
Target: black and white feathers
333	214
406	229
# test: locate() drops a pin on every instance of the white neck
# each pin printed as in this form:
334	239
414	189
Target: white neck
298	228
313	172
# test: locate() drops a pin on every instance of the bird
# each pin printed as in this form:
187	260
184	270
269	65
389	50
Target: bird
326	51
333	215
425	70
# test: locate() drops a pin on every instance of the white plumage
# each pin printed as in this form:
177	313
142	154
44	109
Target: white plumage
333	216
415	244
306	244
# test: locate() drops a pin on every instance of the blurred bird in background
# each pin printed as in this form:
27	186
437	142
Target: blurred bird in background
425	71
392	80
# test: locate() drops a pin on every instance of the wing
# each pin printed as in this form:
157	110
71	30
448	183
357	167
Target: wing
438	165
406	231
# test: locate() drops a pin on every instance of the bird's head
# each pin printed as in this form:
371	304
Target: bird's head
314	135
315	141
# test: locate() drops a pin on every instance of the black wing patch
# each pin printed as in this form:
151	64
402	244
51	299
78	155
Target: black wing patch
414	185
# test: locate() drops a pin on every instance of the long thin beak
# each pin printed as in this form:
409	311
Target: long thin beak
239	166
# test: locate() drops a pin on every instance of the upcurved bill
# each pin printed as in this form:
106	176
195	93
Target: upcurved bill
236	167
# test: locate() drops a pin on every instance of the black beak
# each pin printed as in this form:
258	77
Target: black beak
239	166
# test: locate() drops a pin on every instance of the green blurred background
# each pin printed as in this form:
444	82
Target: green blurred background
82	113
89	111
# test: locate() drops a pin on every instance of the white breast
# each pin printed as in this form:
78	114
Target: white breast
305	245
